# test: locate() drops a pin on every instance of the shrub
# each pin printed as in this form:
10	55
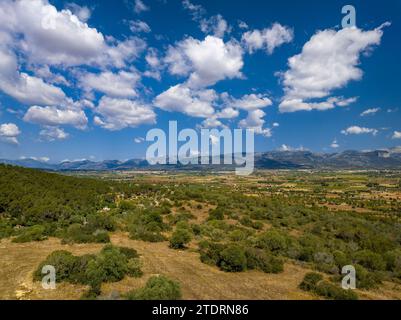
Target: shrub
196	229
216	214
366	279
232	259
272	241
64	263
181	217
140	232
237	235
325	262
6	229
180	238
331	291
129	253
370	260
77	233
393	262
34	233
157	288
210	252
100	236
112	264
313	282
310	281
101	221
147	226
259	259
134	268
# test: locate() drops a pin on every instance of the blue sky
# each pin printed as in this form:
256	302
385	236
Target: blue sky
88	79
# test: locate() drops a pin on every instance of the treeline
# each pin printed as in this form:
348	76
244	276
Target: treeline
42	204
30	195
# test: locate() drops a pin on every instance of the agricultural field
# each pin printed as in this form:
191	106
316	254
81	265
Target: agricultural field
154	235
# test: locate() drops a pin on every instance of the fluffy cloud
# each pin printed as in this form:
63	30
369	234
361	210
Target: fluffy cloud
253	104
227	113
139	140
267	39
120	54
196	10
328	61
82	12
44	72
23	87
118	85
154	64
215	25
397	135
242	25
117	114
180	98
250	102
48	36
53	133
287	148
53	116
359	130
140	6
9	133
139	26
45	37
292	105
31	90
335	144
206	62
255	121
212	122
371	111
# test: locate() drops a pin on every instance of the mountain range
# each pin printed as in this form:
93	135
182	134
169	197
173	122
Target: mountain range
378	159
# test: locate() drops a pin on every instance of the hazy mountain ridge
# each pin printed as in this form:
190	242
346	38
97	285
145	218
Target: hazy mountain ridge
351	159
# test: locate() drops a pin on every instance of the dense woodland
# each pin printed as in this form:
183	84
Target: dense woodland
247	226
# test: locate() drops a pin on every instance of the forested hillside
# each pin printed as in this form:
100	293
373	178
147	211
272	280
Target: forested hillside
41	203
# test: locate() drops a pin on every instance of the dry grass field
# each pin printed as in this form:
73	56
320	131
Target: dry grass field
198	280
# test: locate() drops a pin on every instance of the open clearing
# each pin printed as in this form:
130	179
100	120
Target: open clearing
198	280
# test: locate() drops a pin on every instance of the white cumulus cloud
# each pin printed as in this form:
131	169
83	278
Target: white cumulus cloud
267	39
359	130
53	116
206	62
9	133
116	114
180	98
328	61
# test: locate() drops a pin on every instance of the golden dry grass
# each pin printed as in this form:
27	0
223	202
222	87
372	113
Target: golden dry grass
198	280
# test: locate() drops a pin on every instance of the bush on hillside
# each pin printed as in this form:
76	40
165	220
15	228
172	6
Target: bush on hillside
180	238
157	288
34	233
261	260
232	259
